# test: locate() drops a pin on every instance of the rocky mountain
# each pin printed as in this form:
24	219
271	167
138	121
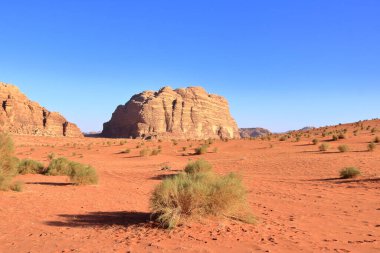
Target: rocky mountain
179	114
19	115
253	132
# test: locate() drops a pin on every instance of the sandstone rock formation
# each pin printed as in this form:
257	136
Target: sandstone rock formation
19	115
179	114
253	132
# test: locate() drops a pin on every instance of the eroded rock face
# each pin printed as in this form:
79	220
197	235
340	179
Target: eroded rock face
178	114
19	115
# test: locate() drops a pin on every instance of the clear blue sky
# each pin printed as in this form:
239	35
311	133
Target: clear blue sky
281	64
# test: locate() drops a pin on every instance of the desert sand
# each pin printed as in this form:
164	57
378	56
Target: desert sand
294	191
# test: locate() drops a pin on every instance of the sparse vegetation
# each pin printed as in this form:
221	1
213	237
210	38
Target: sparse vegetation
82	174
201	150
315	141
349	172
199	166
324	147
343	148
28	166
126	151
188	196
145	152
371	146
8	163
376	140
59	167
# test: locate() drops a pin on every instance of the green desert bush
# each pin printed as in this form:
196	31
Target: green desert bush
82	174
8	163
188	196
201	150
145	152
349	172
126	151
283	138
155	152
324	147
17	186
315	141
371	146
28	166
335	137
199	166
341	136
343	148
59	167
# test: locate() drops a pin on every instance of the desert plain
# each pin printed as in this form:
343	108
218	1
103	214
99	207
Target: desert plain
294	191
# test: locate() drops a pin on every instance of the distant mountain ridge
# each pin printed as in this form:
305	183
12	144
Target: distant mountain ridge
253	132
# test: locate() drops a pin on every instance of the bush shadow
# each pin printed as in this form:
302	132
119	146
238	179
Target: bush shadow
102	219
50	183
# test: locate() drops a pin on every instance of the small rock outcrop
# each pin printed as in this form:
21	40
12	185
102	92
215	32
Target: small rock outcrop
186	113
253	132
19	115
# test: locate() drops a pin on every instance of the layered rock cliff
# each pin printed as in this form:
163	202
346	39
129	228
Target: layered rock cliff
181	114
19	115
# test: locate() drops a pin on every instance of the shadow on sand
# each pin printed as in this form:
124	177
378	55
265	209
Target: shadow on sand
163	176
50	183
338	180
102	219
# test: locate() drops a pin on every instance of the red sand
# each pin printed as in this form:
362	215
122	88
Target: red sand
294	192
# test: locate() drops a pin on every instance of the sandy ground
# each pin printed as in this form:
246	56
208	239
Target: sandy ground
294	192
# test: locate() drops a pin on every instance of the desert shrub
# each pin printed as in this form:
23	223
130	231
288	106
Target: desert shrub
8	163
376	140
17	186
28	166
343	148
201	150
199	166
126	151
373	130
283	138
298	139
83	174
155	151
145	152
51	156
349	172
335	137
341	136
315	141
371	146
215	150
184	148
324	147
80	174
59	167
187	196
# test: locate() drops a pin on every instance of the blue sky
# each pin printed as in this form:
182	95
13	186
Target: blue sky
281	64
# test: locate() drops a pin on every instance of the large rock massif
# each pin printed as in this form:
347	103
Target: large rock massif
186	113
19	115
